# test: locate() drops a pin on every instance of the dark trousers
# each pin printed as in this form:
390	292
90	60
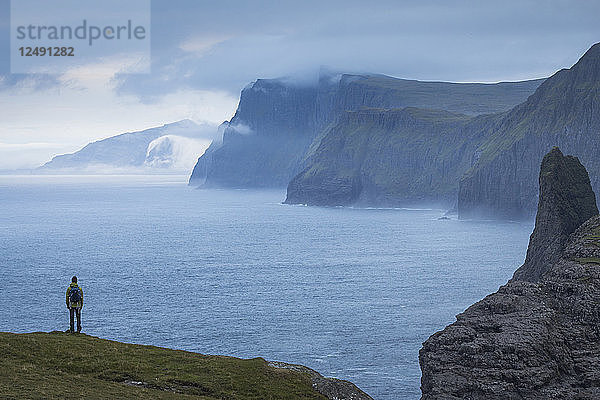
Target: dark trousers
75	311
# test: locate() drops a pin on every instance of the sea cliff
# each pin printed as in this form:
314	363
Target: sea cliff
336	142
537	337
564	111
279	122
386	157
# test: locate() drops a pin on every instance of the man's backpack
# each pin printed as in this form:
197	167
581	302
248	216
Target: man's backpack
75	295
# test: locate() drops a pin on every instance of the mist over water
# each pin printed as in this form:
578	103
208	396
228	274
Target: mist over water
351	293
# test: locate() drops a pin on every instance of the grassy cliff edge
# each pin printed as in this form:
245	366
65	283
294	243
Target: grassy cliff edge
57	365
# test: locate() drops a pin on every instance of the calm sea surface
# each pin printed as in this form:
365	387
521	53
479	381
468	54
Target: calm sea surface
349	292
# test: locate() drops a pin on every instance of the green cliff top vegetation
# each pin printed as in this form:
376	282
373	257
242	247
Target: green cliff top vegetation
588	260
60	365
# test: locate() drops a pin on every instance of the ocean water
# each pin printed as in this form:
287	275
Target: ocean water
351	293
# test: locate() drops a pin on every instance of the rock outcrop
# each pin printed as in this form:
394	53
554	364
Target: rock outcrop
279	121
332	388
566	201
538	337
564	111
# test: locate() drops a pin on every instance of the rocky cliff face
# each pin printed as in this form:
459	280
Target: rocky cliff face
264	142
564	111
269	139
386	157
538	337
393	156
284	133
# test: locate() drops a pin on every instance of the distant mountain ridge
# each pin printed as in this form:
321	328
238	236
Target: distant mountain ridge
172	147
277	121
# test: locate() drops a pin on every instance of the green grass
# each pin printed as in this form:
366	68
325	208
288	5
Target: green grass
594	237
595	233
588	260
471	98
60	365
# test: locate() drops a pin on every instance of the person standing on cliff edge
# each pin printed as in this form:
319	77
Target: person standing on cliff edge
74	303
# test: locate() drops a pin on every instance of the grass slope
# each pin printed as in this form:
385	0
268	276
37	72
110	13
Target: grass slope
464	98
60	365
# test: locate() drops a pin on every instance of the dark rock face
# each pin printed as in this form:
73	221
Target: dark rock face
278	122
532	340
564	111
566	201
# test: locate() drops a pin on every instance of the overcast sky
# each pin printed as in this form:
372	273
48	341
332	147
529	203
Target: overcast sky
205	52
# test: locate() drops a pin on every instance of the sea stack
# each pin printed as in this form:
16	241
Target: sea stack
566	201
537	337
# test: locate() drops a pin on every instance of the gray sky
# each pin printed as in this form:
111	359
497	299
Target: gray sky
205	52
